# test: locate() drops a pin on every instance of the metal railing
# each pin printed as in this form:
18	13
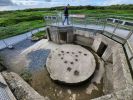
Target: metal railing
9	42
114	30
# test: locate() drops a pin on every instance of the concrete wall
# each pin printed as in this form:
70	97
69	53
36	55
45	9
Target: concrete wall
117	75
55	34
6	89
121	73
93	39
20	88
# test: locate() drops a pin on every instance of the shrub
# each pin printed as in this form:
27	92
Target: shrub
27	76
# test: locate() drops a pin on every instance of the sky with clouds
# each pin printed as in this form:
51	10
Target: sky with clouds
52	3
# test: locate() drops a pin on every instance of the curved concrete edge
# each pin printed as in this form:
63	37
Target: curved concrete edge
68	53
20	88
7	89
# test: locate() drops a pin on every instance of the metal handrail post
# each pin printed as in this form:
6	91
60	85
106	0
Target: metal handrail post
72	20
114	30
129	35
104	24
5	43
85	21
31	33
57	20
45	21
26	36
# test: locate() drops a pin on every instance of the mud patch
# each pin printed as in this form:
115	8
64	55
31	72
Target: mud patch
43	84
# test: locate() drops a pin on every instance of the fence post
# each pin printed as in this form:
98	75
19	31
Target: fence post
31	33
129	34
26	35
85	21
104	24
5	43
114	30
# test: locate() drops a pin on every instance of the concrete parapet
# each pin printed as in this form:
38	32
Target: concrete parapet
121	73
20	88
4	86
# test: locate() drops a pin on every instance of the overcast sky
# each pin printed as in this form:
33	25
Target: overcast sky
52	3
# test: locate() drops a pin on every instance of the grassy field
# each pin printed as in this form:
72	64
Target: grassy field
123	14
18	22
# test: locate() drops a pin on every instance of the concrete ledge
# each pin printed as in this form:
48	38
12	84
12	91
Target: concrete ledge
121	73
20	88
8	91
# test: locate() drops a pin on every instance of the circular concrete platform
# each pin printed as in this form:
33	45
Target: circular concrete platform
70	64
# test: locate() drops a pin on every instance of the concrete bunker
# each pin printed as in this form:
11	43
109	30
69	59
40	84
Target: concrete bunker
108	53
110	79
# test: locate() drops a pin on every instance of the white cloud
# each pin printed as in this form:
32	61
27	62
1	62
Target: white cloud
71	2
114	2
22	4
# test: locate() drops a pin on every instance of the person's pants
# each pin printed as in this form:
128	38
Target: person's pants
66	19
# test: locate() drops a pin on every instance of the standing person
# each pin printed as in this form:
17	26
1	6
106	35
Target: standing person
66	14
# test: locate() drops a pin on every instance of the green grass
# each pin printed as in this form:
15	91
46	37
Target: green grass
27	76
17	22
40	34
123	14
19	28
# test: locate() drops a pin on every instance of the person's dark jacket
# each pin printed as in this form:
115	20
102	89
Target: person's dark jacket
66	12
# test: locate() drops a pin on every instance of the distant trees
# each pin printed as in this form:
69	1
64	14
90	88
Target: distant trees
120	7
112	7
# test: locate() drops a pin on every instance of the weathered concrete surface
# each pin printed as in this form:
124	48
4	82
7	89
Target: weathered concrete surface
107	97
6	88
121	73
108	79
125	94
61	34
83	40
96	44
20	88
71	64
100	70
93	39
110	43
